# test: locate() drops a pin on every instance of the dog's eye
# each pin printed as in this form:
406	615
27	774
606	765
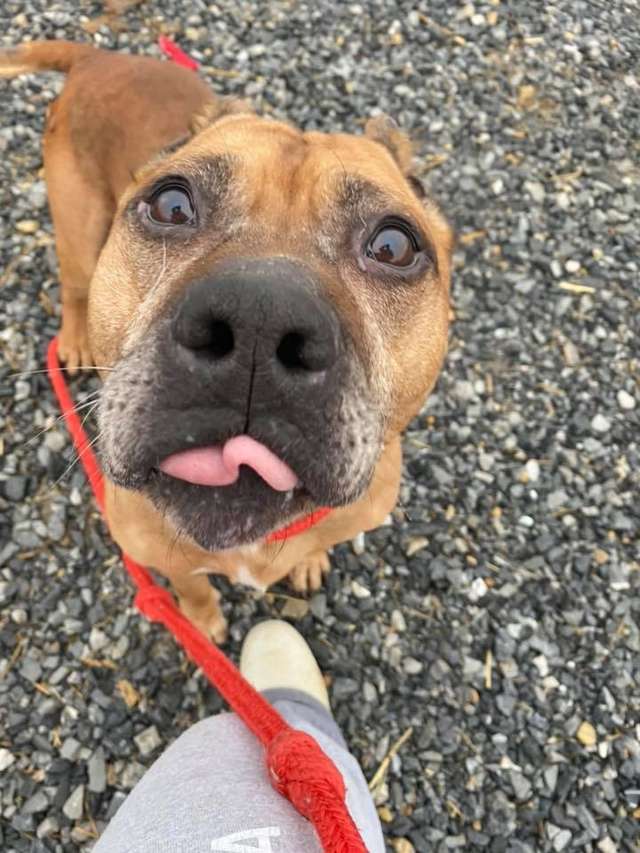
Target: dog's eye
393	245
171	205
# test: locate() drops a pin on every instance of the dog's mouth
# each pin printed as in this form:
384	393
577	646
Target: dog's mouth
224	488
219	465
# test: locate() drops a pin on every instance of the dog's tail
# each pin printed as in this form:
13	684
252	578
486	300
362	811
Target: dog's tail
54	55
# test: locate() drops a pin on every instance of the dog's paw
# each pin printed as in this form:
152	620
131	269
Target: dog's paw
207	618
307	575
74	351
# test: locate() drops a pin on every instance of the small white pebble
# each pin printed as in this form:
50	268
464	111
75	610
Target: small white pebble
625	400
535	190
358	544
412	666
97	639
572	266
19	616
415	545
599	423
542	665
6	759
21	391
477	590
532	469
398	621
360	591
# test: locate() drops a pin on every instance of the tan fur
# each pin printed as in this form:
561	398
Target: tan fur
103	141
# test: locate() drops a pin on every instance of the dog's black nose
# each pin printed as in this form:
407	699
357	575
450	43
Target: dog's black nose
265	314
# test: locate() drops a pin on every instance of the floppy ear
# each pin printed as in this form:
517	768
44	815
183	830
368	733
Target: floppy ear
216	110
384	130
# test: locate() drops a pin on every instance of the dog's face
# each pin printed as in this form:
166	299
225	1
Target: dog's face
272	306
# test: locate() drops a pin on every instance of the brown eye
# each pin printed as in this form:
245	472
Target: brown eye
172	205
393	246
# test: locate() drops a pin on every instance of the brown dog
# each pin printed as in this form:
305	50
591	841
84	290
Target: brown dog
268	309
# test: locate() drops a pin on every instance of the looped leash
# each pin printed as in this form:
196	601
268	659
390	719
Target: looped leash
309	779
298	768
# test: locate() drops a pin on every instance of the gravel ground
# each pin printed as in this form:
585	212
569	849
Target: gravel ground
494	623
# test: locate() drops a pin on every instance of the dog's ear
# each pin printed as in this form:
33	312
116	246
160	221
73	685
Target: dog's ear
384	130
213	112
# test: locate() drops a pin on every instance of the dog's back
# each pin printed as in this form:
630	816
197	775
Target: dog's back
116	111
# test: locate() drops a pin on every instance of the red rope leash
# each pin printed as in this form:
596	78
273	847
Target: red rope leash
176	54
298	768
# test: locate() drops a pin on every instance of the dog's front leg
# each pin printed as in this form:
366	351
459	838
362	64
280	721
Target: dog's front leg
200	603
145	535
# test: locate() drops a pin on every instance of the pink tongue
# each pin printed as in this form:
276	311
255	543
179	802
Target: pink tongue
219	466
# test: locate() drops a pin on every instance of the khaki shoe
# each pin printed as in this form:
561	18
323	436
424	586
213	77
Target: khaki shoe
274	655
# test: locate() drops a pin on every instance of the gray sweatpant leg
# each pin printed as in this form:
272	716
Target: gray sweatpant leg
209	791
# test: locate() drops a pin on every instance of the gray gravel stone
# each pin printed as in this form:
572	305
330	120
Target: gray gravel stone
97	772
70	749
73	806
48	827
38	802
15	487
30	669
148	740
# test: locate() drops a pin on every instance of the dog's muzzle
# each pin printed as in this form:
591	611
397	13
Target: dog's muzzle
244	406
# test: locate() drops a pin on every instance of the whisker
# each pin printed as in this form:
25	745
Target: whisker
74	462
54	370
89	401
92	409
89	413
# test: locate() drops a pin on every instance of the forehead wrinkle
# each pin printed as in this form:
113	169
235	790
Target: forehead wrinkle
354	190
357	200
216	170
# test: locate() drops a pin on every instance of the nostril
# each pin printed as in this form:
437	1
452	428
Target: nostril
222	341
290	352
204	334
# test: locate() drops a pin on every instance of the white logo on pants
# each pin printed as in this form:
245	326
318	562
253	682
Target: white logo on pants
231	843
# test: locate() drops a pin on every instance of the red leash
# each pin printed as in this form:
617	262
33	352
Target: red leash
176	54
298	768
